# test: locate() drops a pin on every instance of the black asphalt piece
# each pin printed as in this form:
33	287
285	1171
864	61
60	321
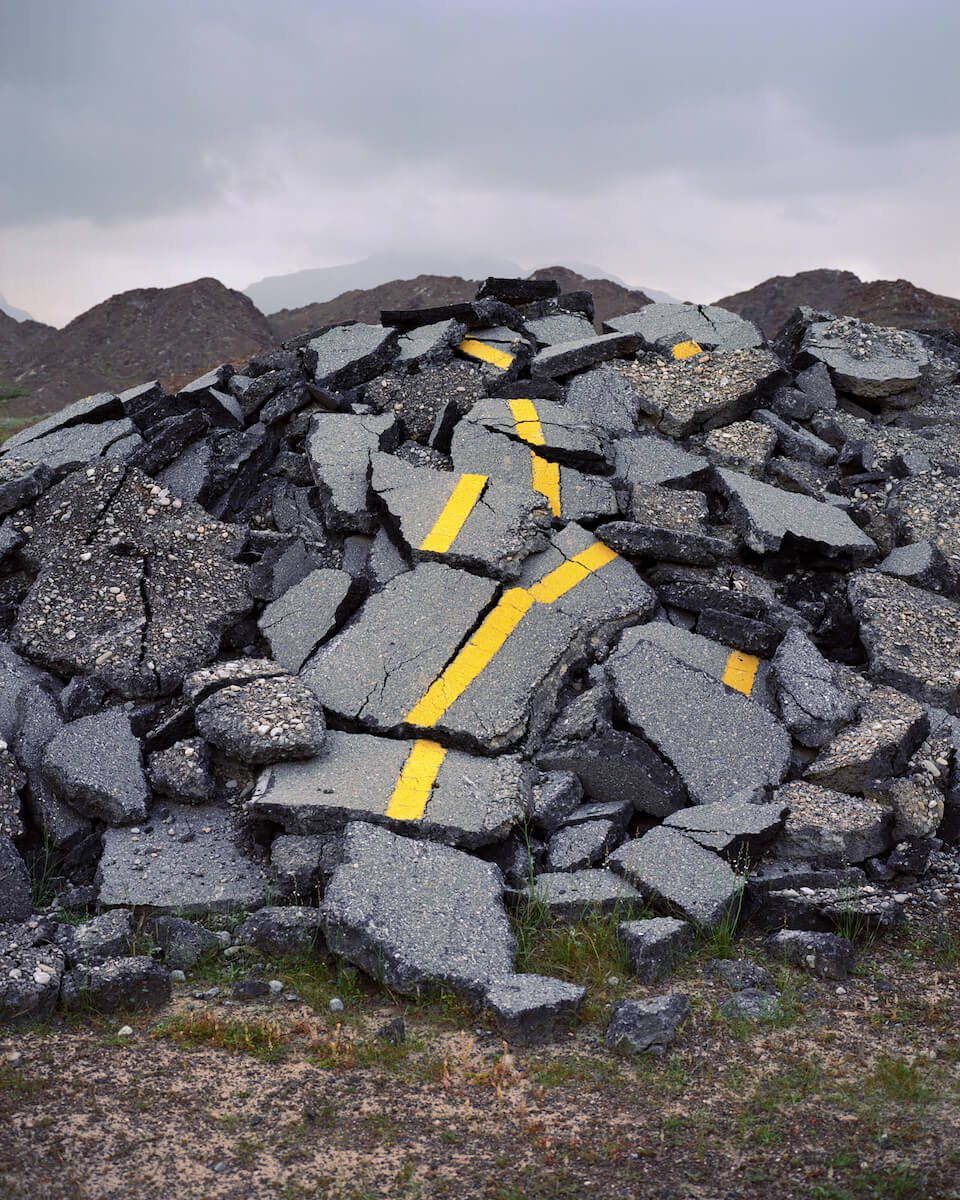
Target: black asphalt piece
116	984
469	802
428	345
655	946
795	441
263	721
570	895
300	864
722	744
348	355
16	887
647	1026
418	916
831	827
921	564
812	704
694	650
673	545
418	400
472	313
766	516
21	481
182	772
465	521
103	408
677	873
31	967
667	325
283	929
822	954
604	398
556	796
866	360
752	1004
561	434
95	765
558	327
517	291
529	1009
654	460
12	783
582	845
742	633
740	974
339	448
307	612
110	935
564	359
735	830
183	943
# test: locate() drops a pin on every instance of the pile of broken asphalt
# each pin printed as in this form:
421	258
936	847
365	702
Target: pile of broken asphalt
404	625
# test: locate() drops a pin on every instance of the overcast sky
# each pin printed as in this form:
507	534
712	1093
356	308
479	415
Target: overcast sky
696	147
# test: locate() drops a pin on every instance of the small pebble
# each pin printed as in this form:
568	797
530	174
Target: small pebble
336	1004
178	977
276	987
125	1031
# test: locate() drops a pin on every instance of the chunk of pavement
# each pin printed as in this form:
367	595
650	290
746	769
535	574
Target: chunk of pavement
183	943
611	764
30	971
558	327
295	623
348	355
823	954
91	410
730	827
95	765
472	801
418	400
812	704
830	827
12	783
795	441
559	432
570	895
301	864
603	398
200	684
702	391
117	983
739	974
21	482
577	846
649	459
338	447
568	357
78	444
573	599
378	667
263	721
712	327
516	290
417	915
878	746
529	1009
463	520
912	638
108	936
744	633
922	564
917	805
866	360
283	929
554	797
16	889
742	446
766	517
430	344
673	870
722	744
38	721
16	675
655	945
638	540
912	856
134	587
190	862
927	508
182	771
647	1026
696	651
752	1004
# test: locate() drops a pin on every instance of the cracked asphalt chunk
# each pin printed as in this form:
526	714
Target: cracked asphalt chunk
866	360
264	720
711	327
417	400
743	672
416	915
572	600
731	828
464	520
723	745
571	494
348	355
297	621
912	637
764	516
560	432
830	827
654	460
339	446
416	787
187	862
376	669
603	398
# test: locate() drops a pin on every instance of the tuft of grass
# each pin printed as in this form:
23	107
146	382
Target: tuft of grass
263	1039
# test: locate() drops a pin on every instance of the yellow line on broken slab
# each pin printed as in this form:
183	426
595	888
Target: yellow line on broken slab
490	354
497	627
546	475
526	419
447	526
686	350
410	796
740	672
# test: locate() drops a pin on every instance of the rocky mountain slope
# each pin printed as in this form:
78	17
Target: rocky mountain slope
133	336
18	338
883	302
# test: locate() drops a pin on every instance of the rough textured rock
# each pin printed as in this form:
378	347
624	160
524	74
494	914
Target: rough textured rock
655	946
646	1026
31	967
118	983
289	929
830	827
183	943
823	954
528	1009
16	889
95	765
263	721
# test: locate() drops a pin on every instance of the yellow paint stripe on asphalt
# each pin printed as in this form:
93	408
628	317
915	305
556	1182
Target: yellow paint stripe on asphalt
497	627
552	586
447	526
485	353
686	350
546	481
741	670
410	796
527	421
475	655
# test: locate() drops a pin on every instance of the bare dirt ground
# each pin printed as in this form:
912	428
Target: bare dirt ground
854	1093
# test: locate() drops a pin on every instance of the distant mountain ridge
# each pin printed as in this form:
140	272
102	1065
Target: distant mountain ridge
883	302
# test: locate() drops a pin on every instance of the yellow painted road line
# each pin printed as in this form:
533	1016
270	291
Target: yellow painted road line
686	350
546	475
410	796
497	627
741	670
485	353
447	526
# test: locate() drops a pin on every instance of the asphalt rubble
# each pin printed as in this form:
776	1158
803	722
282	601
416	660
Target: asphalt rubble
403	626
